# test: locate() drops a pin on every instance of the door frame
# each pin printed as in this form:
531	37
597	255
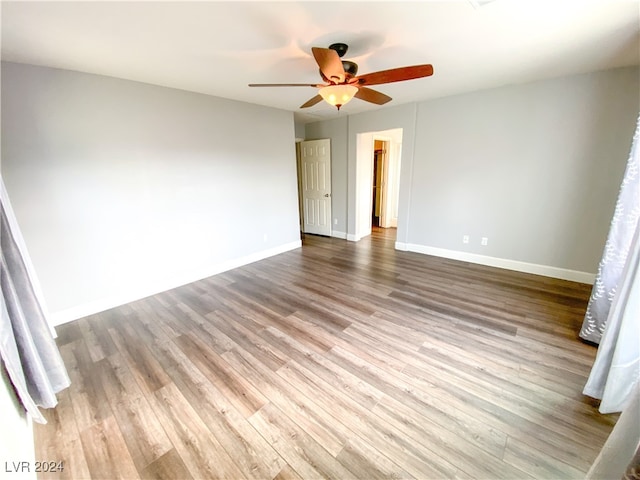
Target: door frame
301	208
385	187
364	175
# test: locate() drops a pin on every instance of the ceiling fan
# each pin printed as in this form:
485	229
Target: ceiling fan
342	84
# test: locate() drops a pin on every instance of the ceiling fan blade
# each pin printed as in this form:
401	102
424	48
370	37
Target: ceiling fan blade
286	85
394	75
373	96
329	63
312	102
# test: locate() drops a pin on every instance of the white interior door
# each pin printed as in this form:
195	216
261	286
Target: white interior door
315	163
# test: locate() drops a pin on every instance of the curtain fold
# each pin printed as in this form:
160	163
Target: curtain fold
625	218
617	454
27	348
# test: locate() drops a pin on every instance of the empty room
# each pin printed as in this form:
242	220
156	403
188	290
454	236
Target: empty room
301	240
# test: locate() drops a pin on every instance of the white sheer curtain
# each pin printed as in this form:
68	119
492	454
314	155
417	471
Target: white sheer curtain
621	452
614	307
623	224
616	369
27	348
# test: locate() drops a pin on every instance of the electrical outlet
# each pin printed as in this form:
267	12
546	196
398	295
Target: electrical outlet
335	221
265	237
465	239
484	241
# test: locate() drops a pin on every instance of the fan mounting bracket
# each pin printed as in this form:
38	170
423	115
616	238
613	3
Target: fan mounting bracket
340	48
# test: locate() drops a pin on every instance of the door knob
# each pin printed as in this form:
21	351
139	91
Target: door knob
327	194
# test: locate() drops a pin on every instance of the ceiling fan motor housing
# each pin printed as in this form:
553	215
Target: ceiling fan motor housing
350	68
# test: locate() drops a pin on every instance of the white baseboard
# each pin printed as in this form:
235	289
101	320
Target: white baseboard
401	246
80	311
544	270
337	234
357	238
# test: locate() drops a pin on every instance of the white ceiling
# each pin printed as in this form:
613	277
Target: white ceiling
217	48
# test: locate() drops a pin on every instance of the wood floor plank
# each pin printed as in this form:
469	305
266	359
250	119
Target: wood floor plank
202	454
339	405
337	360
60	442
167	467
143	433
93	332
333	374
441	429
462	314
237	388
146	369
528	459
525	401
215	338
253	455
541	427
326	431
384	437
118	383
67	333
247	339
161	324
366	462
106	452
287	473
86	391
304	454
251	452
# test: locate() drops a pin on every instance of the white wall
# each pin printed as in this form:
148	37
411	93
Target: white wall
535	168
124	189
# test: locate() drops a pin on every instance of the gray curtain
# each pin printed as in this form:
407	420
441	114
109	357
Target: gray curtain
623	225
27	348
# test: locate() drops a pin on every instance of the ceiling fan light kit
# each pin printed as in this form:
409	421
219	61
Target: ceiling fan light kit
342	84
338	95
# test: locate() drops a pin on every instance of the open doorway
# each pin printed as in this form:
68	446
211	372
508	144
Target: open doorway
380	213
378	181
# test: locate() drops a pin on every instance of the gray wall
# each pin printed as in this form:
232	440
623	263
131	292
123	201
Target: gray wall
535	168
123	189
299	130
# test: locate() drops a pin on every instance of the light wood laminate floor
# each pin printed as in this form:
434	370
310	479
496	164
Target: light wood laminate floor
338	360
